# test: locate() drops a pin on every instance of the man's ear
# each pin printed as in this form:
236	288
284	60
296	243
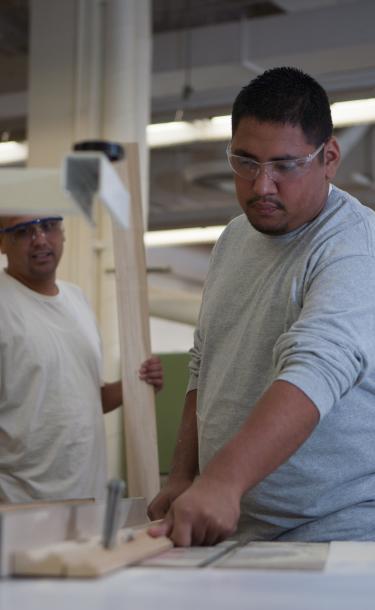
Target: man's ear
332	157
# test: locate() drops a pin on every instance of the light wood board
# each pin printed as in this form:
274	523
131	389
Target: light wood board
132	299
277	556
189	557
9	507
351	557
87	559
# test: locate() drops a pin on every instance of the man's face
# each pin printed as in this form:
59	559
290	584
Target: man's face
275	206
33	255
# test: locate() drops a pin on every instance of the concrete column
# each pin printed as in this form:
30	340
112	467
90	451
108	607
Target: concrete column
126	83
90	66
63	101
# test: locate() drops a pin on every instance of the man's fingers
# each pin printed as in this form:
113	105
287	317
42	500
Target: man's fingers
212	537
151	371
163	528
152	376
151	364
181	533
154	360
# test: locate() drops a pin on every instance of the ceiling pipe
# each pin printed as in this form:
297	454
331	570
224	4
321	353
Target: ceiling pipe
244	48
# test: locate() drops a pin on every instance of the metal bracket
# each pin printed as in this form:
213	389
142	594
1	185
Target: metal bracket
90	174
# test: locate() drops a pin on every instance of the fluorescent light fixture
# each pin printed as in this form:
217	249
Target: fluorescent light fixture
353	113
182	132
219	128
344	114
13	152
175	237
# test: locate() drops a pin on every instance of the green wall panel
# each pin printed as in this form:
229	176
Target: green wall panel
169	405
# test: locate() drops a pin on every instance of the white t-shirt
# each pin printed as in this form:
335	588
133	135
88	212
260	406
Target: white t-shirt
52	439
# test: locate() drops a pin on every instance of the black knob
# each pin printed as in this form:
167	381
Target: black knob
112	150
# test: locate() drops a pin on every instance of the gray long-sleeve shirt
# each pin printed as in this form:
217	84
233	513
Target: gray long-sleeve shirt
298	307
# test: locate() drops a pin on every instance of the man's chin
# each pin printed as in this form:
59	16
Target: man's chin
266	227
43	271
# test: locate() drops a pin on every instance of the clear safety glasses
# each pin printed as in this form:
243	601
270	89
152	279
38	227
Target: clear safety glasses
278	170
28	231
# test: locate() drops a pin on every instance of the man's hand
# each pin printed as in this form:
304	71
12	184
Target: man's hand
151	371
204	514
161	504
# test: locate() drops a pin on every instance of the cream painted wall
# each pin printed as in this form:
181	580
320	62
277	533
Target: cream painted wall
170	337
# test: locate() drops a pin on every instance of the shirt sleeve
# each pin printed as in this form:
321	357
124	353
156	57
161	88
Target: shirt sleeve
331	346
196	350
194	363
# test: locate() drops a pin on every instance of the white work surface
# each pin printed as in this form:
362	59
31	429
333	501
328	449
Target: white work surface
181	589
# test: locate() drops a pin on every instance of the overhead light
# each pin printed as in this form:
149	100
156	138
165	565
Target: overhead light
183	132
173	237
219	127
13	152
353	112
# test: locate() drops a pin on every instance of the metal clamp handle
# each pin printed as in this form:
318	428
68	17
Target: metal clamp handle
115	491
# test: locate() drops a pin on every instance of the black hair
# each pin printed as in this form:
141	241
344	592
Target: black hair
288	96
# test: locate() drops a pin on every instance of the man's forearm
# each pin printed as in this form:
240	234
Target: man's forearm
184	466
111	396
185	457
207	511
281	421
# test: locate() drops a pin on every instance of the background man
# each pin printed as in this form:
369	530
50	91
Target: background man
52	399
279	416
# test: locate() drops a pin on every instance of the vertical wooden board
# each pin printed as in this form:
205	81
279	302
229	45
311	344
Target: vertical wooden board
132	299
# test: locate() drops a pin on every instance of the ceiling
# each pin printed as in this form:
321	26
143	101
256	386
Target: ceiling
203	51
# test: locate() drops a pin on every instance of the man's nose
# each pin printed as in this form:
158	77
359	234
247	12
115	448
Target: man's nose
38	234
264	183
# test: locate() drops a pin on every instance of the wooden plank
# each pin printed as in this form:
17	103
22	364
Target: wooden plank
346	556
277	556
51	524
132	301
88	559
8	507
190	557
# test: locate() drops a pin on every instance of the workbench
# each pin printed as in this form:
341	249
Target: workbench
186	589
255	576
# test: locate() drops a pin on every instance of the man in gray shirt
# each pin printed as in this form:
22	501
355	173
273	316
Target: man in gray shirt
279	420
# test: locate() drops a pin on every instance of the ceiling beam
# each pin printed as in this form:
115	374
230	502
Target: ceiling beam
323	42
